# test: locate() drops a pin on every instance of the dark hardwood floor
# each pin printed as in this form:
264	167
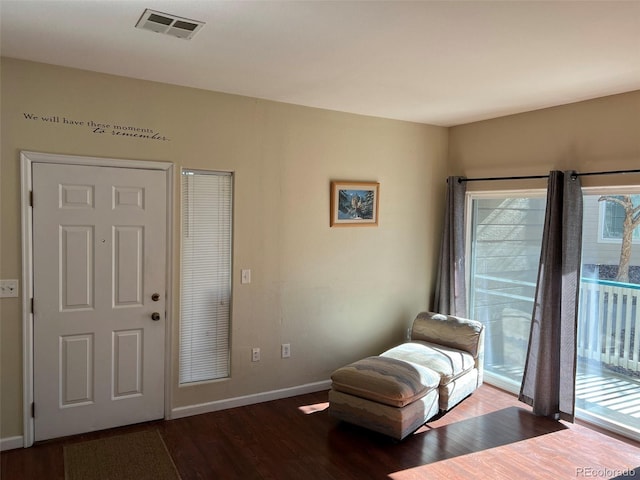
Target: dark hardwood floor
489	435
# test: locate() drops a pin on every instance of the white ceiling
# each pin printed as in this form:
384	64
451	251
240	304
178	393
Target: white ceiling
442	63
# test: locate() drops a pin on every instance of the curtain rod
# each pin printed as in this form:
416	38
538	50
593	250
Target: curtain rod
532	177
610	172
483	179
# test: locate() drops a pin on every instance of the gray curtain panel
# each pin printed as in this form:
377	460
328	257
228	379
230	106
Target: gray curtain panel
450	296
548	384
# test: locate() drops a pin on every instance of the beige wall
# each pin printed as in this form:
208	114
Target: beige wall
595	135
334	294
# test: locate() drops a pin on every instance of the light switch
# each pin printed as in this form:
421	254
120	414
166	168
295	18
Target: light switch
245	277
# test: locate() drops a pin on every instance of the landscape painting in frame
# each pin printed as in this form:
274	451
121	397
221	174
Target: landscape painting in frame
354	204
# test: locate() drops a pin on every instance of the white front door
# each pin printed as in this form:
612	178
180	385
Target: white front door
99	254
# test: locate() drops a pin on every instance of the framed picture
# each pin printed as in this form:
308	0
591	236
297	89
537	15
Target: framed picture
354	204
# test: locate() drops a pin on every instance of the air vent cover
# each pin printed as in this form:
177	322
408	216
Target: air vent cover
169	24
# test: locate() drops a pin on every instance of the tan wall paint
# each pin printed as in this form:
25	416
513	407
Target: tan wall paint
334	294
595	135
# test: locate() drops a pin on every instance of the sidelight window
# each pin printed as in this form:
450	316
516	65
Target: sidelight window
205	294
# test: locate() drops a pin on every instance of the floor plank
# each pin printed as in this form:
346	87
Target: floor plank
489	435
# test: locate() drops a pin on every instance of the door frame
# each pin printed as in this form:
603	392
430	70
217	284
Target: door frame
27	159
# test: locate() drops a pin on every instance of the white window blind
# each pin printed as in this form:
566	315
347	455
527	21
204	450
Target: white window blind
205	296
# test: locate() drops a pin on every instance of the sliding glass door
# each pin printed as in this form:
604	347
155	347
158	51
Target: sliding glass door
504	238
608	376
504	252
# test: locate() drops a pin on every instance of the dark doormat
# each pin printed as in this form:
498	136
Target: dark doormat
132	456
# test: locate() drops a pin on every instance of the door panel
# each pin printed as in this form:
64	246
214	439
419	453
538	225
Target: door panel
127	363
128	265
76	263
99	255
76	370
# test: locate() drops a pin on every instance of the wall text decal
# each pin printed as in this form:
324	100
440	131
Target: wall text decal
101	128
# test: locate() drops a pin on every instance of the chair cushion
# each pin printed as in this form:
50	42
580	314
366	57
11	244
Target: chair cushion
385	380
448	362
455	332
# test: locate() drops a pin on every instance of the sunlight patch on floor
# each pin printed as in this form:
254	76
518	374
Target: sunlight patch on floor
422	429
430	471
315	408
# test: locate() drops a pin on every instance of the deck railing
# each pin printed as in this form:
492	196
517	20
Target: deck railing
609	323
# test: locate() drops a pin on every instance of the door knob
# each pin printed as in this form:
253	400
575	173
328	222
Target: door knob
155	316
155	297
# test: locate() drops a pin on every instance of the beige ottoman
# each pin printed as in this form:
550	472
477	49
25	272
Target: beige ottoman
390	396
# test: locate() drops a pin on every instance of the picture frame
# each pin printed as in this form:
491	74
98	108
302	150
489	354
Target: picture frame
354	203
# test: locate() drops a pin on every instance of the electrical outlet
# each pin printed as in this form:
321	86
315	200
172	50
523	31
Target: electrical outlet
286	350
255	354
8	288
245	276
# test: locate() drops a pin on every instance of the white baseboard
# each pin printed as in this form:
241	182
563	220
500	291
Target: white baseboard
180	412
11	442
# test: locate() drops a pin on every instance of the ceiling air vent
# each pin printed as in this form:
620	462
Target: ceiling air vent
169	24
